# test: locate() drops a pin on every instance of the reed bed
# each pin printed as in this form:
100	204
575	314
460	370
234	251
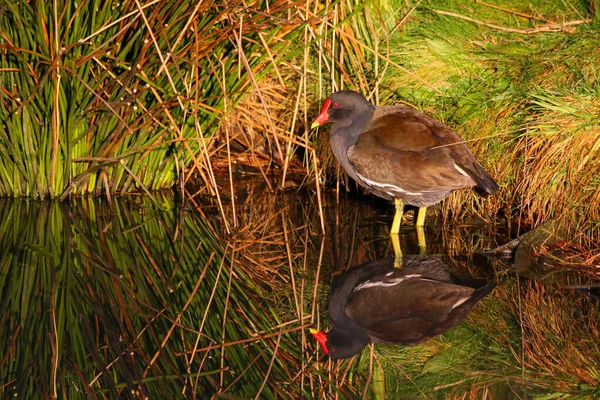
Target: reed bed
130	96
125	96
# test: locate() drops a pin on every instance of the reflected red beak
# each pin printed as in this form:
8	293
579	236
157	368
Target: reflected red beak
323	117
321	338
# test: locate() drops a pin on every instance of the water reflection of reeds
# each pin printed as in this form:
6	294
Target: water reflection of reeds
133	300
130	300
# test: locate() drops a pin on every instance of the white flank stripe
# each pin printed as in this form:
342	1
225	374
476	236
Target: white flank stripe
391	282
395	189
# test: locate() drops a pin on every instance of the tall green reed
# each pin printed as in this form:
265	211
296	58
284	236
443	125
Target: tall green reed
107	97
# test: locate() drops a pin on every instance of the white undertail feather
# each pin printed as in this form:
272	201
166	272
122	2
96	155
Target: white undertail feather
459	302
460	170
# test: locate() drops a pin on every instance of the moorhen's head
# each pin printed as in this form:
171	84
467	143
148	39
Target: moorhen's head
343	108
338	343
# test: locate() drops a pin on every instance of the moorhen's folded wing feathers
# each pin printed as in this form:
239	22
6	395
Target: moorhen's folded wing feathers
407	172
408	129
342	285
409	309
461	311
412	151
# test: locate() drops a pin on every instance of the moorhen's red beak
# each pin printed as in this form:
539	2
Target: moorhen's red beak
321	338
323	117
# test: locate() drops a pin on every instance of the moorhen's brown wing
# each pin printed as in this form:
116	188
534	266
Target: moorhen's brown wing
409	312
410	150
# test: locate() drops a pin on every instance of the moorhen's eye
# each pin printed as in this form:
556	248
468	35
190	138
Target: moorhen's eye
336	105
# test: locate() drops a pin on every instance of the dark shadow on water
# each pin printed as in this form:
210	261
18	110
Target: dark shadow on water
130	300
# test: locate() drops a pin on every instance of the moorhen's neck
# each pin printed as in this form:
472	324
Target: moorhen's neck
345	133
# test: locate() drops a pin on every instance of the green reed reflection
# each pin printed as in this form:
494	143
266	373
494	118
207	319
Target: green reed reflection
128	300
131	301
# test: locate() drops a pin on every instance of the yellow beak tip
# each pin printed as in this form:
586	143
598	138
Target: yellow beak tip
314	125
313	331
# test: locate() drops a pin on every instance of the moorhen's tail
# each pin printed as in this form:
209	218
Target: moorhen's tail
484	181
481	293
481	290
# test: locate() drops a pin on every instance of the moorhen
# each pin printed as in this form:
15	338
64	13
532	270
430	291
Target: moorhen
399	153
378	303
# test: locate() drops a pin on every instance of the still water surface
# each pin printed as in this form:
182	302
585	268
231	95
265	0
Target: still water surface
156	299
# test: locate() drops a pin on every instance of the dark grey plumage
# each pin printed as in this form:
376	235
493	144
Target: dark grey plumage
398	152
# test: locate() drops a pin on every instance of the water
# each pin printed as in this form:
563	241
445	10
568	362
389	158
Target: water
140	299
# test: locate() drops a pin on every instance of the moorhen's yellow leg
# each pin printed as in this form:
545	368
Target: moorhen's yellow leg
397	217
397	251
421	216
395	232
420	230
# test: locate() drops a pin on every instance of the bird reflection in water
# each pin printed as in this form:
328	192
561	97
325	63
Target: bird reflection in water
377	303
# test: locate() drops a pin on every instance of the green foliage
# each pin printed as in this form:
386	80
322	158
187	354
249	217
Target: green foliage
107	96
518	80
